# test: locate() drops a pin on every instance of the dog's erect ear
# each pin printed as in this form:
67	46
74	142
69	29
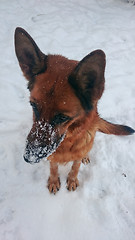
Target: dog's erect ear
87	79
31	60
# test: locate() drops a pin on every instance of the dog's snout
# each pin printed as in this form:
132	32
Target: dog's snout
42	141
26	159
30	161
35	152
32	154
26	155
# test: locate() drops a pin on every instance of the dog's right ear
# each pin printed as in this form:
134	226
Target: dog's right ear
87	79
31	60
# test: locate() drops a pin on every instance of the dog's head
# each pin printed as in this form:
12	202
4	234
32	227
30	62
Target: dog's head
62	92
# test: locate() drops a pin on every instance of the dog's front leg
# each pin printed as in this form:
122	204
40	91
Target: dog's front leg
72	181
53	181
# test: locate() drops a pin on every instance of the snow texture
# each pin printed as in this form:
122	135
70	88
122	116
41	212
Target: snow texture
103	206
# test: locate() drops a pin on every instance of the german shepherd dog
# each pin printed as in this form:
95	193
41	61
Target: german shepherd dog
64	95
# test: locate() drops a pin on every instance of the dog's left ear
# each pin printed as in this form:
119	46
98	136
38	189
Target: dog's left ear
87	79
31	60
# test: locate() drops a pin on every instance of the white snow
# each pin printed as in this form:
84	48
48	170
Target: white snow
103	207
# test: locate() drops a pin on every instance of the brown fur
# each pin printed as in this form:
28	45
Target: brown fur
64	95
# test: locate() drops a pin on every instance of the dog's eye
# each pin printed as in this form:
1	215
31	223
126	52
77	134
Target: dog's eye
35	109
60	118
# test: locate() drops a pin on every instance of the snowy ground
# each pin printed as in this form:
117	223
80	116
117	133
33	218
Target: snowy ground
103	207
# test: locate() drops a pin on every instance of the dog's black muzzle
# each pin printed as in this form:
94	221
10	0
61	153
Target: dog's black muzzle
34	153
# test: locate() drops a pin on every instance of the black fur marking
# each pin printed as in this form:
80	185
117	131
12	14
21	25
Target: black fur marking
83	96
87	79
32	61
36	110
59	119
129	130
33	77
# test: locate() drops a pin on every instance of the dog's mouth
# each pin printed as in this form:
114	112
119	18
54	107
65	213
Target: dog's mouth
34	152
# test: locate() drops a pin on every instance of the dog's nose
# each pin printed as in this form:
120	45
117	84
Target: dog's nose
31	156
36	160
31	160
26	159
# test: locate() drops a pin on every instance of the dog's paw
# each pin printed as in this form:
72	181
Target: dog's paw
53	185
72	184
86	160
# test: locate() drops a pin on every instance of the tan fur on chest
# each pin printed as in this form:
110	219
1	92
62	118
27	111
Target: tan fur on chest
73	148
